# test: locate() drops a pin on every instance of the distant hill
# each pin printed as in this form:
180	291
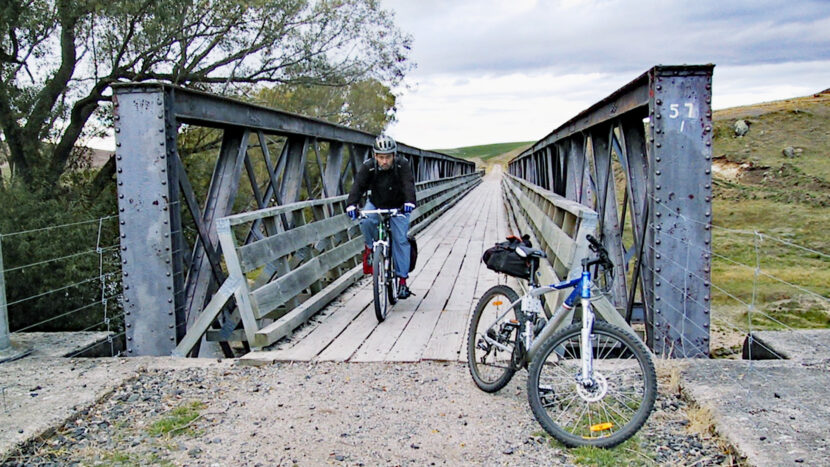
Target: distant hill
486	151
785	155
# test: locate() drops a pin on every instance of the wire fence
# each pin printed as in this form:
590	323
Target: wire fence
65	278
759	282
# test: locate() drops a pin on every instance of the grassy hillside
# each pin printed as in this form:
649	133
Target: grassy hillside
759	188
485	152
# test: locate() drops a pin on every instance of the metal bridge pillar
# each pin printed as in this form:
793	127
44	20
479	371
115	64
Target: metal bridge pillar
146	202
680	153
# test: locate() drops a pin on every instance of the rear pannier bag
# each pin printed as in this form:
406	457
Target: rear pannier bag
502	257
413	252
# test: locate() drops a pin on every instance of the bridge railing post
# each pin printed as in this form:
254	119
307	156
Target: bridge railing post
5	339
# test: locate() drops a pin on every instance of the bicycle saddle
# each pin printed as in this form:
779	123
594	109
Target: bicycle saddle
526	252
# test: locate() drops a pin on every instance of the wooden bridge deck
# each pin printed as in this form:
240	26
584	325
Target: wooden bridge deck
432	324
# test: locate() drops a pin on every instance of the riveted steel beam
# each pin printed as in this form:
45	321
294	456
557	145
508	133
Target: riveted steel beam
145	202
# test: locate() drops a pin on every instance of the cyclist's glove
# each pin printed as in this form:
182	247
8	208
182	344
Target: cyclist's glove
408	207
352	212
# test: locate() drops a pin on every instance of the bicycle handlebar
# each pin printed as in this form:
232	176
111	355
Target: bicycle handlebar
393	212
602	254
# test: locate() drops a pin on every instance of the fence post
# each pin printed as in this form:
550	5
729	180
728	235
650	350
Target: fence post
5	340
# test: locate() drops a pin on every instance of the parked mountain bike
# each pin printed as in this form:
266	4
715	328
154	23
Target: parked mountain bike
589	384
384	282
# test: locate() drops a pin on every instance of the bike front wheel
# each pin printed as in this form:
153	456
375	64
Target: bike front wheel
379	286
604	413
491	341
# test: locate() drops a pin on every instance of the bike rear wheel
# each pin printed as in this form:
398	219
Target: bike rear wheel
609	412
379	287
491	341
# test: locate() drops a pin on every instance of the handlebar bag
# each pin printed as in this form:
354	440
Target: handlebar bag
502	257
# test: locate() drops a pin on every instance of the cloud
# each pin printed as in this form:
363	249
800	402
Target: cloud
611	35
496	71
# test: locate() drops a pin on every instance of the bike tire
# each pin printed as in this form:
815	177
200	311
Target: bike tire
491	367
610	414
379	285
391	282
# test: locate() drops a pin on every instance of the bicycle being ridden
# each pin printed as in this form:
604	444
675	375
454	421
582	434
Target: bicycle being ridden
385	282
589	384
389	179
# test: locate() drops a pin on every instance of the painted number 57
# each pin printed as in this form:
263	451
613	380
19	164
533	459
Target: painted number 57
674	110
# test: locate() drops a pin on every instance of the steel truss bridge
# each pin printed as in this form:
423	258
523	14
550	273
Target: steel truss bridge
265	245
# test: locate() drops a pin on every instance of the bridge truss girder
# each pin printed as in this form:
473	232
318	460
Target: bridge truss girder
171	256
642	159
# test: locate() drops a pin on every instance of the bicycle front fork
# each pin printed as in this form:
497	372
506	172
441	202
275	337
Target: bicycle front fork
586	344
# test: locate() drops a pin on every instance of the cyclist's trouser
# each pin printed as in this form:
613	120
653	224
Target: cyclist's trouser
400	244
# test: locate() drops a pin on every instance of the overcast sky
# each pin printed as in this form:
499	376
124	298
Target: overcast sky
492	71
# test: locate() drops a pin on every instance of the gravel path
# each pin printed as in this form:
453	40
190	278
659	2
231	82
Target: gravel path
341	414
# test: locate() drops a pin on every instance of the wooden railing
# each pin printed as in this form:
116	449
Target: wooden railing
284	277
559	227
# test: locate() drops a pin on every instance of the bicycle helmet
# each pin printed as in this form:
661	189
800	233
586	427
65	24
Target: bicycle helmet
385	145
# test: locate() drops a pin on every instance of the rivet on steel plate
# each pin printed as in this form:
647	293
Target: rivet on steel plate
658	172
659	145
706	298
659	102
657	284
658	159
659	87
657	298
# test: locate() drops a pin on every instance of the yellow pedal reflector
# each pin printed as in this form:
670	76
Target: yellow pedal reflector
514	321
601	427
497	302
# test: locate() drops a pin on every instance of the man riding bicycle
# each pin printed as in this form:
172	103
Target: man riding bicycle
393	187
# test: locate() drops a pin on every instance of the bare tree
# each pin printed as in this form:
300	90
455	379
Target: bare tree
58	59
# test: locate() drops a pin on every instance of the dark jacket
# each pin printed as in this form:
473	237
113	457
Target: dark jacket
390	188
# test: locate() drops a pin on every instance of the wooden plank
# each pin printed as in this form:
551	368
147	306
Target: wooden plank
381	341
278	292
413	341
447	341
206	317
247	311
255	254
322	336
299	315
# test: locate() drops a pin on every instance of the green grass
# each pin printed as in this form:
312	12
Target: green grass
486	151
786	199
630	452
177	421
